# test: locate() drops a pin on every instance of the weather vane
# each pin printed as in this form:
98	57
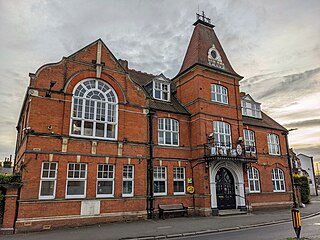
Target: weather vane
203	17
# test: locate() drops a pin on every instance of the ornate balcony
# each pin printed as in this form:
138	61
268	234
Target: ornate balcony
236	152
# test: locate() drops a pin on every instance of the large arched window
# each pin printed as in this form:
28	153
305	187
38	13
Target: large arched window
94	110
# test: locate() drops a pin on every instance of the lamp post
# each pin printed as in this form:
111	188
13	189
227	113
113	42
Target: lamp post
286	133
295	213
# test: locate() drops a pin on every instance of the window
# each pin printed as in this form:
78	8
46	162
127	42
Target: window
278	180
219	94
179	180
127	181
222	134
253	179
161	91
48	180
105	180
160	180
94	111
76	180
249	142
168	132
251	109
273	144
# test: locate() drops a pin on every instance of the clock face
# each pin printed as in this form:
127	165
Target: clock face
214	54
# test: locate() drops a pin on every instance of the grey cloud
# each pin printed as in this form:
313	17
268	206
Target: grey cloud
309	150
290	84
303	124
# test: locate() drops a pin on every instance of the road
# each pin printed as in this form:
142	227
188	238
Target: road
283	231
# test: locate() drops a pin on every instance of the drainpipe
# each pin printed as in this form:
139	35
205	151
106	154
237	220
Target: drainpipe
150	198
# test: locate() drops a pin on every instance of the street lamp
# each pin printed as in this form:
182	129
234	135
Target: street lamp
286	133
295	213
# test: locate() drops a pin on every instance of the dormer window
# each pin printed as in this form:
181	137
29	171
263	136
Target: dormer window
250	108
161	91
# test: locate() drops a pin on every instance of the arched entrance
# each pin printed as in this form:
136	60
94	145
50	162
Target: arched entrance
225	189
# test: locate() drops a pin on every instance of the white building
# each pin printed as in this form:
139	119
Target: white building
307	166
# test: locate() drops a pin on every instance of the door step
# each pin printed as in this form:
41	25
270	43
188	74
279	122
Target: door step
231	212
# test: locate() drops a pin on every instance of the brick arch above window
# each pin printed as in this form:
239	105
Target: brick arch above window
72	82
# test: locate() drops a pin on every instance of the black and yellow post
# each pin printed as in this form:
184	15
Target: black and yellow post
296	221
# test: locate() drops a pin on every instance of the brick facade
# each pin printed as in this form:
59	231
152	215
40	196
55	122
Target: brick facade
44	135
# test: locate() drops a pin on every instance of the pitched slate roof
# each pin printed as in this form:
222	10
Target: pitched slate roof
265	121
203	37
174	106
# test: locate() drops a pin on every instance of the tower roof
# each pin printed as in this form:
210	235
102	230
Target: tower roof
205	49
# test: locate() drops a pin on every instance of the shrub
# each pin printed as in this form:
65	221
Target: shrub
303	182
9	179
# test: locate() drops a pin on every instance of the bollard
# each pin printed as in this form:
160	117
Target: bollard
295	213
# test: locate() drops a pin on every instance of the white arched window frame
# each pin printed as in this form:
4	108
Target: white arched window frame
278	180
168	132
273	144
94	110
253	180
219	94
222	134
249	141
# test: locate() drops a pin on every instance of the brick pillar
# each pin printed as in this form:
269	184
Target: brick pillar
10	208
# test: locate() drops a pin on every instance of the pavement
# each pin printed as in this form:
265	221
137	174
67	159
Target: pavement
172	227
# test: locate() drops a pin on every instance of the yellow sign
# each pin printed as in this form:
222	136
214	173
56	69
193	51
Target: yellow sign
190	189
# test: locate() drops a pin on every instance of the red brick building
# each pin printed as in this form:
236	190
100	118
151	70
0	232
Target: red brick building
98	141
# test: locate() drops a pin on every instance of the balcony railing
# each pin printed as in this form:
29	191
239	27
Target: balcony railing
236	152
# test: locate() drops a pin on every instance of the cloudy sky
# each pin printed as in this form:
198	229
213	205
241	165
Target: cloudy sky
274	44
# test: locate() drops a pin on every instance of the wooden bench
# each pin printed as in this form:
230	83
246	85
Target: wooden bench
172	208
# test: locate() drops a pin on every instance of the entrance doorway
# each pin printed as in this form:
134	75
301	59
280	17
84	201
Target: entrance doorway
226	198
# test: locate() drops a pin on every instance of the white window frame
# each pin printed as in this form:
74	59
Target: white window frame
177	178
105	179
219	94
127	178
249	140
81	93
278	181
48	179
251	109
78	179
157	177
222	134
273	144
163	88
253	180
173	128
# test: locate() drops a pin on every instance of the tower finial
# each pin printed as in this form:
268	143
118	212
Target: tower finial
203	17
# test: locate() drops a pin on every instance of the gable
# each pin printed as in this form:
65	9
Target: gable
92	52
